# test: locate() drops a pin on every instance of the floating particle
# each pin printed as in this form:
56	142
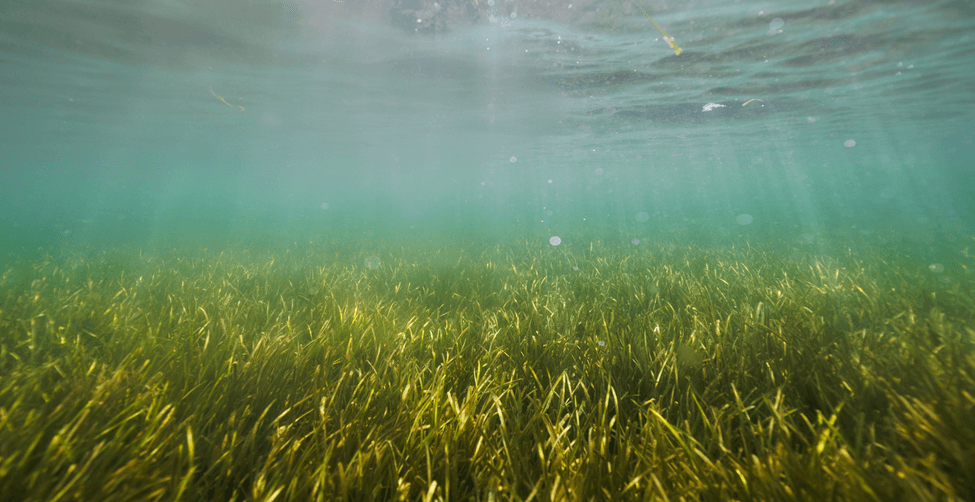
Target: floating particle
324	205
555	240
849	143
602	343
642	217
635	242
373	262
224	101
810	119
745	219
667	38
937	268
776	24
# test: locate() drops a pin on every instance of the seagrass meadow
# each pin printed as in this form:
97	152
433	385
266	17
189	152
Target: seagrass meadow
594	370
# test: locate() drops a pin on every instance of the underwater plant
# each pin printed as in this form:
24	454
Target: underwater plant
673	370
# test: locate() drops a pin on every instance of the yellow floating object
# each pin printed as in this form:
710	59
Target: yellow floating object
224	101
667	38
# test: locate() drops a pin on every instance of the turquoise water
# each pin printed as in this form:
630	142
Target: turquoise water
219	122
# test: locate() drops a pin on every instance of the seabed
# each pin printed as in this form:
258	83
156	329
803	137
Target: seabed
668	370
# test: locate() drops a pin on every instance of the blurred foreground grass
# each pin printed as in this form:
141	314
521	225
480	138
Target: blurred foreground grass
665	371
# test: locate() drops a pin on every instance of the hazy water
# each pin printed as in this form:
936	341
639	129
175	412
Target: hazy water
213	121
